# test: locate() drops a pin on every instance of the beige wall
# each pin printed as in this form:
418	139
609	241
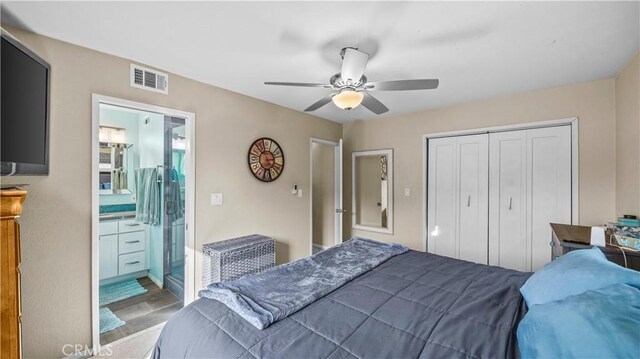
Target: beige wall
56	224
628	139
592	102
323	194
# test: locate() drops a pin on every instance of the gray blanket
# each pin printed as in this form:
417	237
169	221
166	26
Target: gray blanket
414	305
264	298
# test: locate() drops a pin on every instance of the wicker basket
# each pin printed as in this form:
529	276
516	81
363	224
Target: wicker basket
233	258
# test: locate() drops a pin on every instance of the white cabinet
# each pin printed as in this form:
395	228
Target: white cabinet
123	248
108	258
132	262
491	197
457	193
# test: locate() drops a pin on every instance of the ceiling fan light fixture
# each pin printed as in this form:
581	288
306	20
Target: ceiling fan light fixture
347	99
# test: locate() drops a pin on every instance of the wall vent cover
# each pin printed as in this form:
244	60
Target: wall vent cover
148	79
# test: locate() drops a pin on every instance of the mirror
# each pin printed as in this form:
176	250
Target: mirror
114	168
372	190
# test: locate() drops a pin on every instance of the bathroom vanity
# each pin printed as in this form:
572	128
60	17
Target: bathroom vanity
123	246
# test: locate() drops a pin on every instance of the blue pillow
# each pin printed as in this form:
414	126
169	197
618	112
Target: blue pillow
574	273
603	323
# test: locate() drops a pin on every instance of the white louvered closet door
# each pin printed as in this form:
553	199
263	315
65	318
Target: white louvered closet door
458	197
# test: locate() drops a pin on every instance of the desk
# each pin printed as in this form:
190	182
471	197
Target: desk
567	238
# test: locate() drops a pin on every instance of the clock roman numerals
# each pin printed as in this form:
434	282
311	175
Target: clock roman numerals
266	159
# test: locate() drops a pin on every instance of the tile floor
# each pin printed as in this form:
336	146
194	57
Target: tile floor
142	311
136	346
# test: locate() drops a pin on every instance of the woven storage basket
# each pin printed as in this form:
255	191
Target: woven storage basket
231	259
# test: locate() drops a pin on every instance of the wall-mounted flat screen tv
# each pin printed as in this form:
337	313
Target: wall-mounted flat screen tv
24	107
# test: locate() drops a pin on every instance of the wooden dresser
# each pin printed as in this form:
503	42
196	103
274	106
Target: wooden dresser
10	306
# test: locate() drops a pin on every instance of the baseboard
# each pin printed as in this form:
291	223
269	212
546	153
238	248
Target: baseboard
320	246
155	280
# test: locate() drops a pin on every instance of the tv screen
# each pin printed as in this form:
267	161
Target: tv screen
24	110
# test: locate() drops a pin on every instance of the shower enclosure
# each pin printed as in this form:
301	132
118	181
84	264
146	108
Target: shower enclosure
174	201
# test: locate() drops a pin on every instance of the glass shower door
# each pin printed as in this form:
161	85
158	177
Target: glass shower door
174	203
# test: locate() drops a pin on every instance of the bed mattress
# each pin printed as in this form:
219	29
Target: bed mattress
415	305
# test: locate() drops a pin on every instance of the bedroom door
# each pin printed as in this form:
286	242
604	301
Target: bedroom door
458	197
326	194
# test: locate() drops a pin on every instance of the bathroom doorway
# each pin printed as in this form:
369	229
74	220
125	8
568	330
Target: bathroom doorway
326	194
142	246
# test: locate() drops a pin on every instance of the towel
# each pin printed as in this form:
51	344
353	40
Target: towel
174	195
148	207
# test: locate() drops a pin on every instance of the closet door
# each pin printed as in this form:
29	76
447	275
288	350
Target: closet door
473	206
530	187
508	241
442	197
548	187
458	198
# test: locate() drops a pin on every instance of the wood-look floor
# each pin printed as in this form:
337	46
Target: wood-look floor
142	311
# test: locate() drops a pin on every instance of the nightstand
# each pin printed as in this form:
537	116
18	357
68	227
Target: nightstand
567	238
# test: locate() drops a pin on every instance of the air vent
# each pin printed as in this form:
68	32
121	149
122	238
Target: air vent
148	79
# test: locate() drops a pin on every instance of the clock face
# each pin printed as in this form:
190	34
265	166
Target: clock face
266	159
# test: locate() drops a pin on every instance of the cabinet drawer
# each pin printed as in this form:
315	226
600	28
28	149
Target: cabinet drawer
132	262
131	242
130	225
108	227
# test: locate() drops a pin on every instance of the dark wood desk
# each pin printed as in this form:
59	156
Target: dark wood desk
567	238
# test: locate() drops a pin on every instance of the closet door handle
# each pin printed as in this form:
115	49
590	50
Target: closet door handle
510	202
469	201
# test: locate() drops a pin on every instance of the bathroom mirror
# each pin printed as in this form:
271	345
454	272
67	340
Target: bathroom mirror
114	167
372	190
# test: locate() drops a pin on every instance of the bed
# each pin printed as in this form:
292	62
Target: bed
414	305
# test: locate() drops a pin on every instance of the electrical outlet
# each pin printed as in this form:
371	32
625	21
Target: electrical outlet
216	199
299	192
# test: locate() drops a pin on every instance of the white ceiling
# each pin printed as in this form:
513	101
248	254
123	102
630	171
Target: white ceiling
477	50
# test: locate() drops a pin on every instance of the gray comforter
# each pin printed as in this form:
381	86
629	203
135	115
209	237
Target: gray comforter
264	298
414	305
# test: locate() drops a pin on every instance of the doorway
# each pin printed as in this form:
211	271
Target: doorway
142	205
326	194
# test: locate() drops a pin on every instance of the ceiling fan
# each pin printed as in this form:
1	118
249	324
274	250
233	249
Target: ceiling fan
350	86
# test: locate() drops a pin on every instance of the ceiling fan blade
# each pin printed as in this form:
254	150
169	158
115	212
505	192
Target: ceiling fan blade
353	64
323	101
373	104
299	84
402	85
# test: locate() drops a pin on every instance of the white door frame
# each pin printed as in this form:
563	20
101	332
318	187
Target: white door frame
337	189
189	284
572	121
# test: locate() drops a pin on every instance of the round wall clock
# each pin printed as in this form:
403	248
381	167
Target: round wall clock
266	159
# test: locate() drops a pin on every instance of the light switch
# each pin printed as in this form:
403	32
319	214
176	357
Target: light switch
407	192
299	192
216	199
